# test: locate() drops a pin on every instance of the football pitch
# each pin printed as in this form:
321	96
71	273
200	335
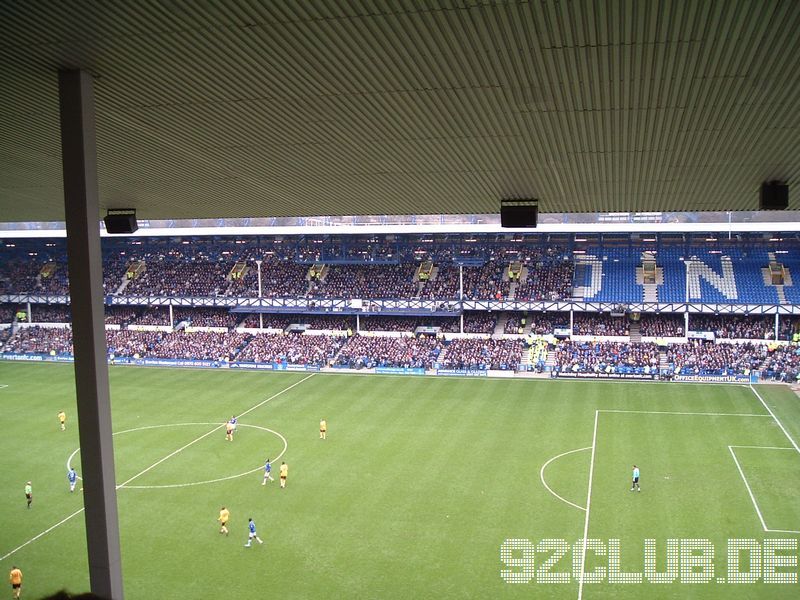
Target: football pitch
425	488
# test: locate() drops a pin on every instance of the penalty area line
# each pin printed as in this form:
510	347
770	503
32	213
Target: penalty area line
670	412
749	491
783	531
764	447
772	414
549	489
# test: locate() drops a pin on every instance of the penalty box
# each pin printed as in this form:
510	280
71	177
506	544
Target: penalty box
688	486
771	475
687	477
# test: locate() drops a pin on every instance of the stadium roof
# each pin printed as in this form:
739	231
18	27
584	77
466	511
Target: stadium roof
231	108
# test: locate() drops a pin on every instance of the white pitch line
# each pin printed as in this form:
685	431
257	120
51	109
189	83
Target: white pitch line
549	489
783	531
667	412
205	435
79	511
764	447
783	429
588	506
749	491
217	480
46	531
178	485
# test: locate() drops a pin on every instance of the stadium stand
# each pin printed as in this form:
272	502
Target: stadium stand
410	324
46	313
478	322
606	357
399	352
599	325
292	349
708	358
40	340
662	325
421	268
482	354
734	326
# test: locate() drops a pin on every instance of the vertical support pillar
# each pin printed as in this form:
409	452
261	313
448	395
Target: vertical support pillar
81	204
28	312
358	323
777	327
171	317
462	322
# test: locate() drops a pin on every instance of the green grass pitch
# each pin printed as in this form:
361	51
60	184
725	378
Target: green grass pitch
419	485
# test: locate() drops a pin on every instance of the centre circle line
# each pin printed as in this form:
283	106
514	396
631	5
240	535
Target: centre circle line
192	483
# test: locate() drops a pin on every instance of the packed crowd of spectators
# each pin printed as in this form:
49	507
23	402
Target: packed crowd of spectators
178	344
479	322
546	323
734	326
154	315
17	276
546	282
708	358
200	345
55	284
328	322
183	279
50	313
482	354
789	329
114	268
662	325
125	342
281	321
367	281
409	352
599	324
782	364
486	282
536	323
515	322
121	315
40	340
7	313
269	321
606	357
296	349
399	323
205	317
25	276
280	279
444	286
